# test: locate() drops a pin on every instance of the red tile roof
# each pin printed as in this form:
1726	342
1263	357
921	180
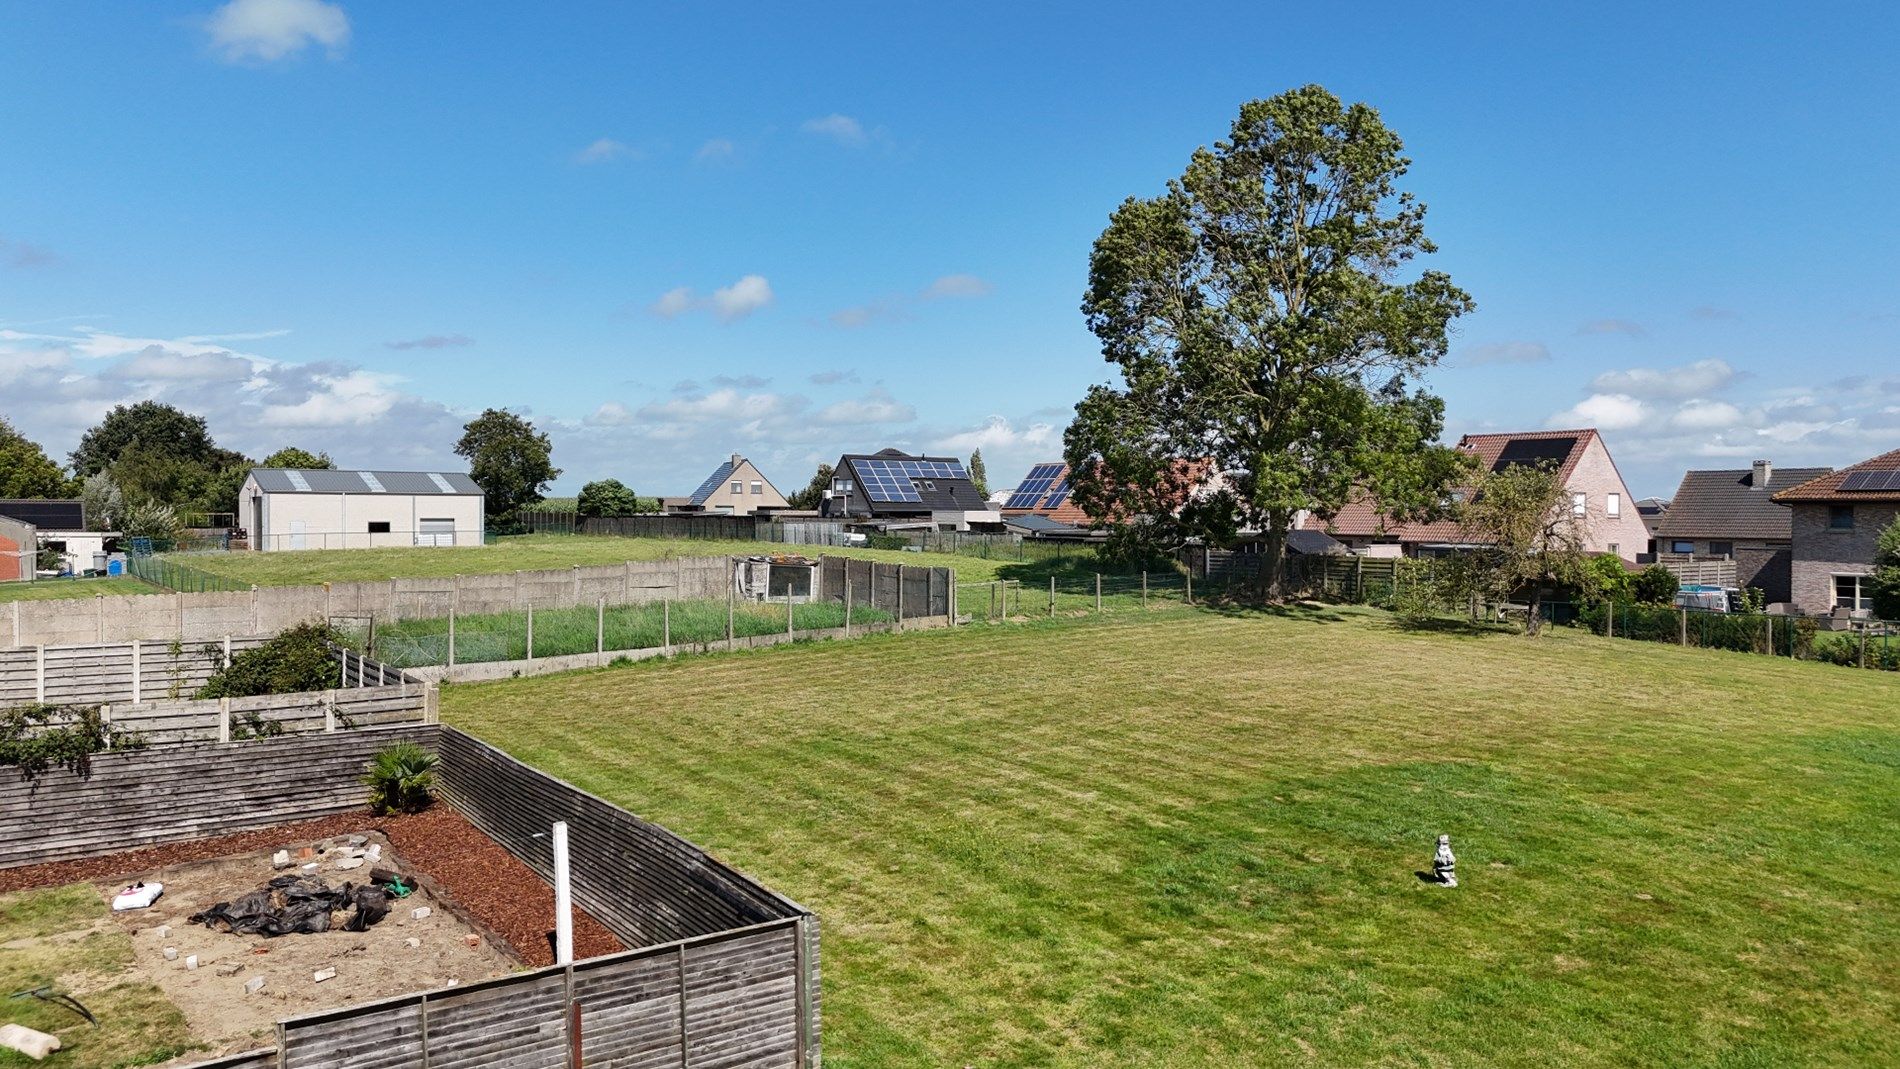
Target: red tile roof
1362	518
1828	487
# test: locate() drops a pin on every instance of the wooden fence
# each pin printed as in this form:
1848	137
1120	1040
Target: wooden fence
726	528
93	673
310	712
905	591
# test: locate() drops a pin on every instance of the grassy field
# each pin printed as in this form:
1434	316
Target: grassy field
556	551
61	937
1191	839
49	589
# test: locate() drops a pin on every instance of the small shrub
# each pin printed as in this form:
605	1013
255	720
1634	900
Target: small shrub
401	779
302	658
31	742
1804	631
1655	585
1417	603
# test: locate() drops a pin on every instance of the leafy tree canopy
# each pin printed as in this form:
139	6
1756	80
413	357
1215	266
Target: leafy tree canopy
1886	585
508	459
1530	537
303	459
1260	325
1655	585
607	497
159	430
814	492
26	470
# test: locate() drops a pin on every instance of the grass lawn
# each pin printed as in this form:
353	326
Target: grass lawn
49	589
555	551
62	937
1191	839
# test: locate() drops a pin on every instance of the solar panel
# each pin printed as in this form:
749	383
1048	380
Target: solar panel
370	480
297	480
712	483
1032	489
1859	480
888	480
1533	452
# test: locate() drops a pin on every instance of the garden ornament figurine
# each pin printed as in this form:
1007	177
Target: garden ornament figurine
1444	865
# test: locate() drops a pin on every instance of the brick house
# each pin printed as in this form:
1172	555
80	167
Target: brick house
1599	497
1836	521
1731	514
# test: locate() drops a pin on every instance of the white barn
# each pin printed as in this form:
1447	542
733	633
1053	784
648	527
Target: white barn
285	508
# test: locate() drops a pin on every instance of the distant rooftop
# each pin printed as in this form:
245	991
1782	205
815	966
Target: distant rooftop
329	481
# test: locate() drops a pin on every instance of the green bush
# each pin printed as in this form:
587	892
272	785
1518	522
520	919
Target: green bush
1655	585
401	779
302	658
30	742
1417	603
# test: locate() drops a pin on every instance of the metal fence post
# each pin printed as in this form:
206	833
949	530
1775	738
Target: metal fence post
900	597
790	630
1144	588
1190	586
847	599
1684	626
1098	593
531	631
666	624
1052	597
451	635
732	582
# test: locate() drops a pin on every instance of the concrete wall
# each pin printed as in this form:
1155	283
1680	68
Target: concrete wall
1596	477
268	610
341	521
1820	552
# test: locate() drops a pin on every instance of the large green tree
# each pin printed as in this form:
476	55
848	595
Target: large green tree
1266	327
508	459
607	497
26	470
157	428
814	492
299	459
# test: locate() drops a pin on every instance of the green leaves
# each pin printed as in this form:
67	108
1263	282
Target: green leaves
1261	330
401	779
508	459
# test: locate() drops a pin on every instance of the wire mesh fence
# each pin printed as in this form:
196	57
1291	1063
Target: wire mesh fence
1842	640
1078	595
529	633
172	575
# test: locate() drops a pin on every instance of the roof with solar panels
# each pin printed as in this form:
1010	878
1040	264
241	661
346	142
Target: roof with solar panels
1875	480
1045	492
331	481
895	483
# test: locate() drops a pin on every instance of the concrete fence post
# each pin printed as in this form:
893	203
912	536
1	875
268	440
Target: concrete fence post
255	628
39	674
329	711
666	625
1052	597
224	720
790	630
178	608
531	631
732	583
432	703
451	657
105	721
227	651
577	584
99	615
600	626
16	624
137	689
900	597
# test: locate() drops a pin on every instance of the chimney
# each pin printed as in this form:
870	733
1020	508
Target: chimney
1764	471
738	460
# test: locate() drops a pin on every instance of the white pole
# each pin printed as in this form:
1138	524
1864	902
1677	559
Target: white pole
563	899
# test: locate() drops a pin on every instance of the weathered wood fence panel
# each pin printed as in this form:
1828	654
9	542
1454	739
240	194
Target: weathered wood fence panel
729	528
134	798
916	590
92	673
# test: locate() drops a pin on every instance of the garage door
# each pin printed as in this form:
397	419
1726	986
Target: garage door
435	532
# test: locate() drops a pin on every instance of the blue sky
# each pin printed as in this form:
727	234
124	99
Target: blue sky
668	231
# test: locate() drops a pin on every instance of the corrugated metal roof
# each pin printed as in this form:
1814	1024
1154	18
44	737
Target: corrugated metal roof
326	481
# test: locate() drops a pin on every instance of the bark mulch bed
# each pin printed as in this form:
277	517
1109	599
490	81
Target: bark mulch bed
496	888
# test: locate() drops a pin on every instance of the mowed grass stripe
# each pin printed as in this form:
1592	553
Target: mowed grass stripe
1188	839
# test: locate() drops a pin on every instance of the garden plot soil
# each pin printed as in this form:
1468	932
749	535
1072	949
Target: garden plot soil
372	964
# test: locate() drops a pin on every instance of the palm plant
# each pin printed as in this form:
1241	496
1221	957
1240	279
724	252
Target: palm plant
401	779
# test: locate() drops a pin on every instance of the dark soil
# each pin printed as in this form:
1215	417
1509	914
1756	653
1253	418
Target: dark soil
492	885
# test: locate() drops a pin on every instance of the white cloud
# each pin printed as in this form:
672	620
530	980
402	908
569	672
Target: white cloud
1689	380
433	341
724	406
268	30
998	435
1612	326
344	398
957	286
1604	411
876	406
840	128
743	382
604	150
861	315
1508	352
833	377
610	414
158	362
673	303
718	150
742	298
1703	415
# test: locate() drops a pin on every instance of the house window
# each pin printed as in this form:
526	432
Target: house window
1840	517
841	485
1614	547
1682	547
1579	504
1853	592
758	488
738	487
379	527
1721	549
1613	505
